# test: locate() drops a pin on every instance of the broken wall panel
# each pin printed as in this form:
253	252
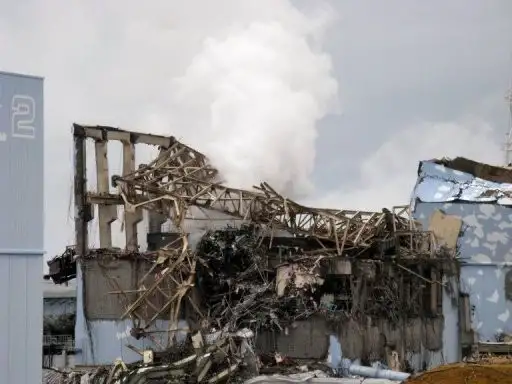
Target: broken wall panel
113	285
446	229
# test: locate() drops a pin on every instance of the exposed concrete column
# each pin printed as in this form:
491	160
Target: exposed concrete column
131	219
83	212
156	220
107	214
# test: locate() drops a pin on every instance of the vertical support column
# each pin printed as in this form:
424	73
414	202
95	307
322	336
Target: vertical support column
107	214
156	220
131	219
434	290
83	212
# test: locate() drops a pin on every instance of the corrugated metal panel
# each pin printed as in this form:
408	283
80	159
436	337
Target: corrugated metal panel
21	237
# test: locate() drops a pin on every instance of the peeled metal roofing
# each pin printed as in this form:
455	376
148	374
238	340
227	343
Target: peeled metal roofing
439	183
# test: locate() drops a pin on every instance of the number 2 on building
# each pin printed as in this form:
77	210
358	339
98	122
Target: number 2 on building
23	114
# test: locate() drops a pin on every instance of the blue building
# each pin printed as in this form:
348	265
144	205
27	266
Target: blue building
22	227
480	196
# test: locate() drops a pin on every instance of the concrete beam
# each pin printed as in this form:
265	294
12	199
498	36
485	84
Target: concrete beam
82	208
111	133
131	219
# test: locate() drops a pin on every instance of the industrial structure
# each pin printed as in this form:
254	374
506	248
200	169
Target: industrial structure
21	237
413	287
220	258
476	204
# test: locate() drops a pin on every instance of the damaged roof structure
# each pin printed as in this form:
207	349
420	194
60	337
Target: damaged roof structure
260	297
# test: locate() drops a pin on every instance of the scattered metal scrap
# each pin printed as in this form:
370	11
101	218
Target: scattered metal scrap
234	278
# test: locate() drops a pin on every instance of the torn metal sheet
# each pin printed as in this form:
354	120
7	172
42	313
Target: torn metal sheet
439	183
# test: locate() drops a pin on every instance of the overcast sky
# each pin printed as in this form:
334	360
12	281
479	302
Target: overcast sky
415	80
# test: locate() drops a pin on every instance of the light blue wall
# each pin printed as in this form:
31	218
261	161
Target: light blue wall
485	244
21	228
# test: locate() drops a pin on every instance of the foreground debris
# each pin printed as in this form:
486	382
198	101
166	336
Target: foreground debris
212	358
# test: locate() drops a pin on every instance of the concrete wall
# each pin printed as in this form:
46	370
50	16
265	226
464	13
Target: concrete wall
484	244
21	234
102	341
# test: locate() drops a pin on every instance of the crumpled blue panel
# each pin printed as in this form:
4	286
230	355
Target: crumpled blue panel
437	183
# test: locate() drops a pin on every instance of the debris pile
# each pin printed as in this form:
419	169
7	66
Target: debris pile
240	289
212	358
283	263
238	282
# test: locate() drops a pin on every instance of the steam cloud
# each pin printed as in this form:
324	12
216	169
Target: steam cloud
160	68
251	102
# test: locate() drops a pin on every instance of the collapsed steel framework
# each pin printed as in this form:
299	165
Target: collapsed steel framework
180	178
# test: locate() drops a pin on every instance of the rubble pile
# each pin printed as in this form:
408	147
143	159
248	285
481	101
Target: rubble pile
211	358
240	289
239	280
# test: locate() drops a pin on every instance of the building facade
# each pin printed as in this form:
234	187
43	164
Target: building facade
480	196
21	237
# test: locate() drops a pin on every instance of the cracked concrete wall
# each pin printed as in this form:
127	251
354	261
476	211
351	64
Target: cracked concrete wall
485	243
311	339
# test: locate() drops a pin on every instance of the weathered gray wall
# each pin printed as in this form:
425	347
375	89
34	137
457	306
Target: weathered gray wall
103	341
313	338
21	228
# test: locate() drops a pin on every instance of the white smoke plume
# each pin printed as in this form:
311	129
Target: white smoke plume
140	66
123	63
251	102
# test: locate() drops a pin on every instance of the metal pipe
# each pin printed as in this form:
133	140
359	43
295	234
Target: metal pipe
377	373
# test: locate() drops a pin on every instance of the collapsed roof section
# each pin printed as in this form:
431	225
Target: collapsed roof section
181	177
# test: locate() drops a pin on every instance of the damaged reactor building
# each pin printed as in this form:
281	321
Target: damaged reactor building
237	283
